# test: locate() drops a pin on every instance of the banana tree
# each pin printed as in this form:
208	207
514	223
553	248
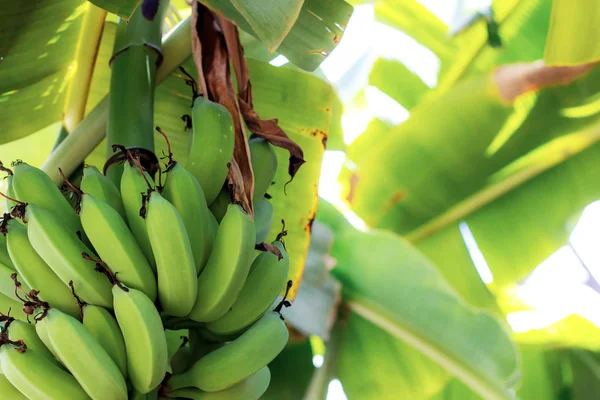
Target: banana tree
403	311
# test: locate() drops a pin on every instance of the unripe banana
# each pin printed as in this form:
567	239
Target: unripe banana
102	188
37	377
9	391
236	361
219	207
19	330
7	285
31	185
133	185
176	269
115	244
212	129
214	227
180	360
251	388
267	278
105	329
8	190
227	268
264	166
8	305
61	249
83	356
145	340
4	256
185	193
34	271
263	219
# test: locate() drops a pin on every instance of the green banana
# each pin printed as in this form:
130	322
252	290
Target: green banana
105	329
251	388
9	391
219	206
8	190
214	227
176	269
19	330
37	377
133	185
180	360
4	256
227	268
264	166
7	285
267	278
145	340
115	244
8	305
31	185
35	272
80	352
102	188
212	129
185	193
236	361
263	219
61	249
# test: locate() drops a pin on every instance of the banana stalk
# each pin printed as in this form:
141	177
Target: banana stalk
137	55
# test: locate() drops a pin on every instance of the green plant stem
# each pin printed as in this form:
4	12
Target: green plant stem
134	63
92	129
319	384
540	160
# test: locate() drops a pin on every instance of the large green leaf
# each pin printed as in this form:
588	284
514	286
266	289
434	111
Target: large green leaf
123	8
38	45
414	19
391	284
397	81
574	27
317	31
373	364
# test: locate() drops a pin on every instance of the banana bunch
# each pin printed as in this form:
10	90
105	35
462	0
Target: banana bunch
141	291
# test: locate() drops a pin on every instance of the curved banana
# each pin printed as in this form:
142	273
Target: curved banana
185	193
105	329
35	272
8	190
79	351
102	188
236	361
180	360
37	377
227	268
251	388
61	249
133	185
214	227
263	219
267	278
4	256
9	391
31	185
176	269
145	340
264	166
115	244
19	330
218	207
212	129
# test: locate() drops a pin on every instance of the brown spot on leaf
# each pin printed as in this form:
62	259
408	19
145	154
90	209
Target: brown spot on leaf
322	134
336	40
354	179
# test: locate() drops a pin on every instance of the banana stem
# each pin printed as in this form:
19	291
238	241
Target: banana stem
90	132
136	57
